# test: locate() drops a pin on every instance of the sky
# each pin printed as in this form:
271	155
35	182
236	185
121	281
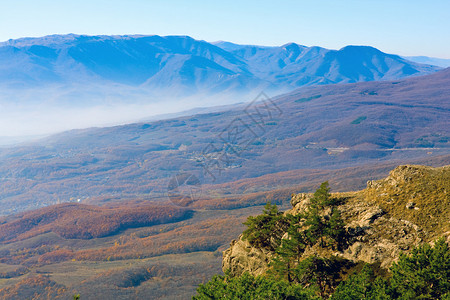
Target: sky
413	27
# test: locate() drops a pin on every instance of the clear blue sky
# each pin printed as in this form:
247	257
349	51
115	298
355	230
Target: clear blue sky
414	27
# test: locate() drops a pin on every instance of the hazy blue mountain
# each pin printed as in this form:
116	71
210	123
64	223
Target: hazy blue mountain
300	65
181	62
440	62
130	60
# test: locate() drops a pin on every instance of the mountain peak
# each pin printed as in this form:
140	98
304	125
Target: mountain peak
355	48
291	46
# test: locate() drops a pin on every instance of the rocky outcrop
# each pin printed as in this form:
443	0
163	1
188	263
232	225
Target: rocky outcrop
409	207
242	257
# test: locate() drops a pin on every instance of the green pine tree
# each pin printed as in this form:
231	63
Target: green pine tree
425	274
335	228
318	225
266	230
317	271
316	228
322	197
290	251
362	285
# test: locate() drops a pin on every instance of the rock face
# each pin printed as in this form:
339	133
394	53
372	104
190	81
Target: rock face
242	257
409	207
376	235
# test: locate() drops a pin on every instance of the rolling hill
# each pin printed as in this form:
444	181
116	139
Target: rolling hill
325	127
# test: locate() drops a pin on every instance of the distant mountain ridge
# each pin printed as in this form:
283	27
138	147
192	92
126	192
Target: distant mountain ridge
300	65
440	62
181	63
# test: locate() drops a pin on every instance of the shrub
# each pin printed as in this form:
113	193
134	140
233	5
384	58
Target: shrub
251	288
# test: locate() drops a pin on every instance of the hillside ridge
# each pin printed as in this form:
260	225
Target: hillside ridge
324	127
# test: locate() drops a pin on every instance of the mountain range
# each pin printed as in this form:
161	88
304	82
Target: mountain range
181	64
440	62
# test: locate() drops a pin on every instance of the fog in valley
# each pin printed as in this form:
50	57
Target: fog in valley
28	114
